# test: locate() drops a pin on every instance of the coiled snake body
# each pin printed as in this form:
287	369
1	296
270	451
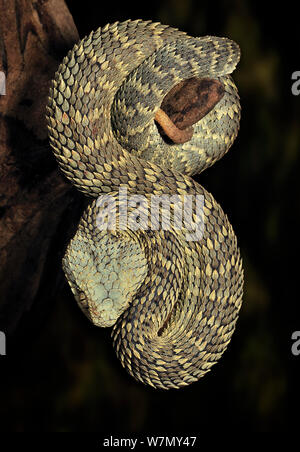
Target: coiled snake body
173	301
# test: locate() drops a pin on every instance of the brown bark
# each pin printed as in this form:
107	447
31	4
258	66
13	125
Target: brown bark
35	200
185	104
191	100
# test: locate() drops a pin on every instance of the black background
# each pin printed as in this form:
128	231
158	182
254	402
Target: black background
66	377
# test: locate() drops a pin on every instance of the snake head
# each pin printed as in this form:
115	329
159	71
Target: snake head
104	273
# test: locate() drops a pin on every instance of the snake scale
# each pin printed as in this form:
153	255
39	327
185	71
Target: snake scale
173	301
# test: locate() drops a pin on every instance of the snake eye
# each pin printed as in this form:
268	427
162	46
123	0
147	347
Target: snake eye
185	104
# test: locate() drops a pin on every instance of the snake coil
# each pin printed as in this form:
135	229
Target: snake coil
173	300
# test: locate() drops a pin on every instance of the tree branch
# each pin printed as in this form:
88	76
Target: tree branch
34	197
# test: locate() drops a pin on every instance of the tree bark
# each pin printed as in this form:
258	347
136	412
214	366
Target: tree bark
37	205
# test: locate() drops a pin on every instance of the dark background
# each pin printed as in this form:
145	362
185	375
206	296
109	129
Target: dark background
65	376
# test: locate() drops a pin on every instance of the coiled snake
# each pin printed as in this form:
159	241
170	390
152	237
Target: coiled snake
173	300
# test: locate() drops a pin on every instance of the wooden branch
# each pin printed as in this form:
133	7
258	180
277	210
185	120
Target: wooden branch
190	100
34	197
184	105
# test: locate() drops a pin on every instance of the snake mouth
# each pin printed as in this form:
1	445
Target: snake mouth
184	105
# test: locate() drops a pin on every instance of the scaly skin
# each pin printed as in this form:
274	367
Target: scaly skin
173	302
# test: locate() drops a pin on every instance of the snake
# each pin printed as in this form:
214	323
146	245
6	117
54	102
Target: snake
171	290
